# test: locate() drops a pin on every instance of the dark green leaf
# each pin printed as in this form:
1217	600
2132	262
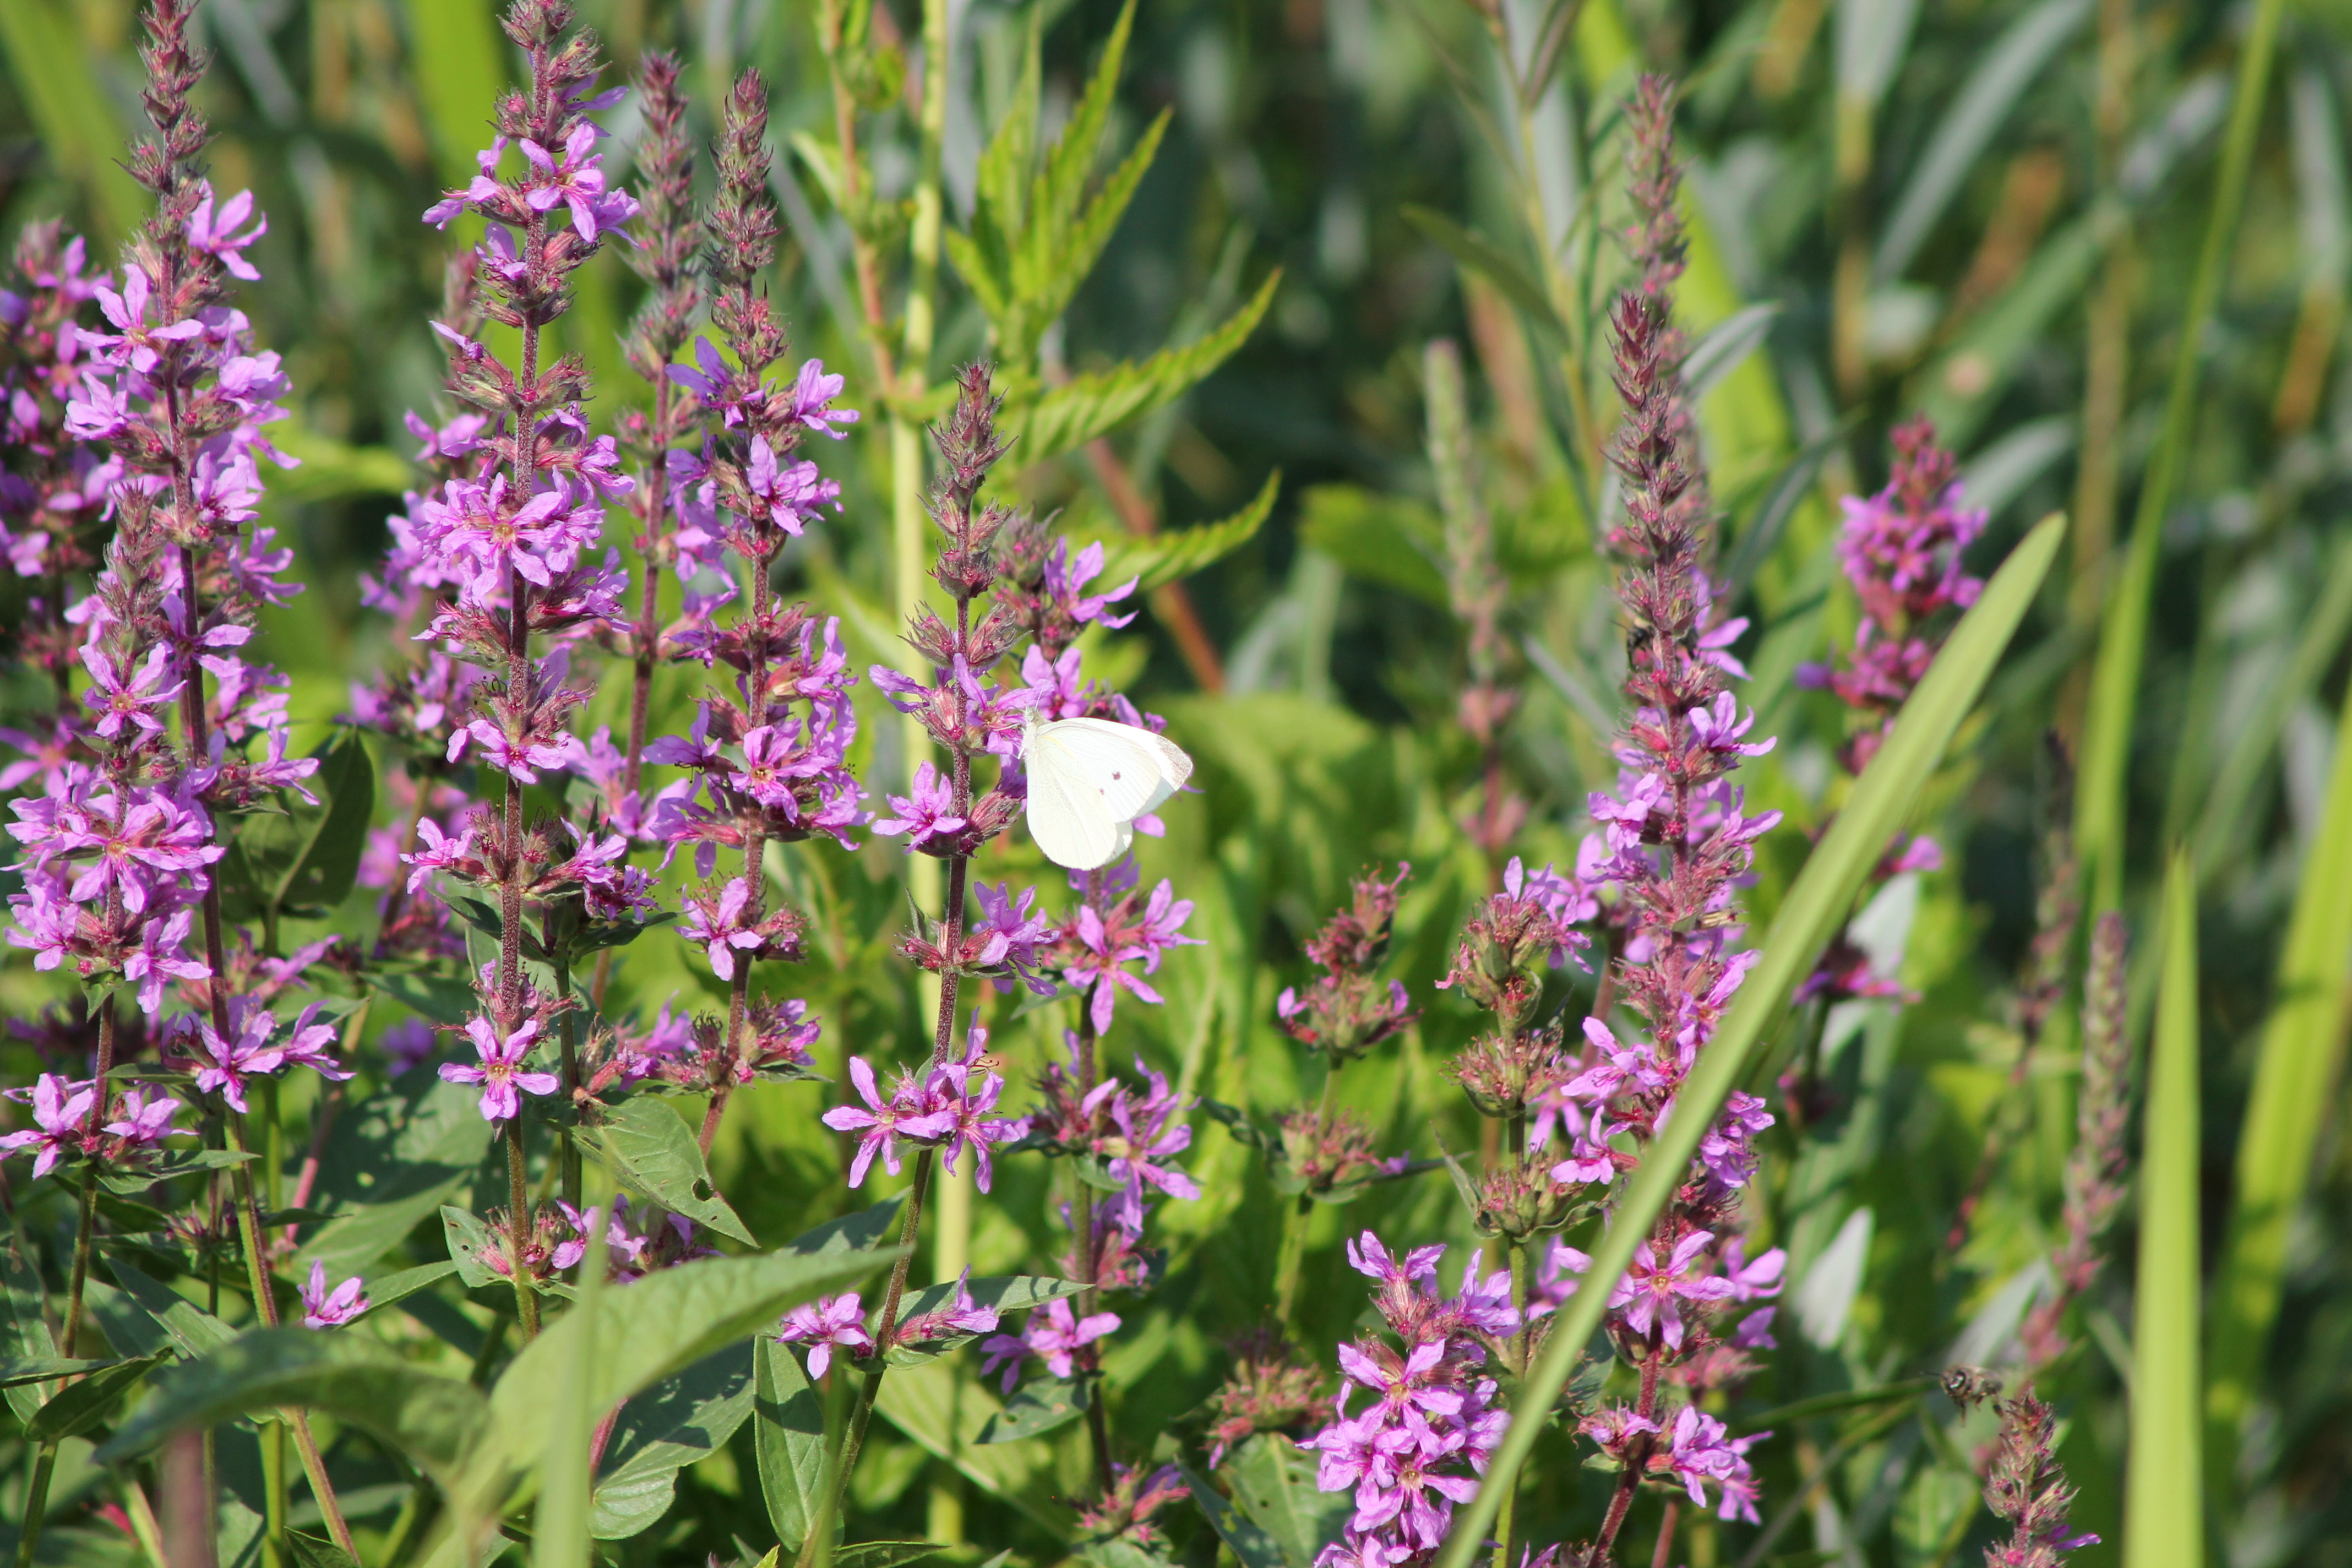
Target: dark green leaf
432	1419
1485	258
869	1227
305	861
42	1369
395	1158
399	1286
434	991
193	1331
1394	541
1274	1488
884	1553
29	1337
1252	1546
80	1406
788	1436
649	1150
678	1422
317	1551
1038	1408
1004	1292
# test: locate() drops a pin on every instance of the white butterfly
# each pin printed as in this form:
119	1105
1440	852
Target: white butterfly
1089	779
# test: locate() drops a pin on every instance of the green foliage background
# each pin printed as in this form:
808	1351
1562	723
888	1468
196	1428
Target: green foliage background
1932	191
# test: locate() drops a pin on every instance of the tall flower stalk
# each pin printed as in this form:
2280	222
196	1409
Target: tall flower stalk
515	546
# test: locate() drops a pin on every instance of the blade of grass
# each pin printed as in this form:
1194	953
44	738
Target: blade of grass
2303	1046
2100	795
2163	1499
2222	826
52	68
1815	908
567	1481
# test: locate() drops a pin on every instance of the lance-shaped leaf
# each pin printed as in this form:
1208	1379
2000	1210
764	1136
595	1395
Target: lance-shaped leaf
788	1438
80	1406
429	1418
649	1150
1251	1545
681	1421
1815	908
1035	1409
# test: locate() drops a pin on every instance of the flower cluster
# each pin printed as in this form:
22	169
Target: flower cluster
1902	551
1346	1012
1134	1136
1433	1421
946	1108
66	1124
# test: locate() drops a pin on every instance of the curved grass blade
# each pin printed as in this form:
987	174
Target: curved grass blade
1815	908
2099	799
2163	1512
2303	1047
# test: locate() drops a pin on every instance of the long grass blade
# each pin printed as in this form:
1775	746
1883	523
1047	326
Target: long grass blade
55	74
460	69
1816	906
2100	795
2303	1046
2163	1504
567	1486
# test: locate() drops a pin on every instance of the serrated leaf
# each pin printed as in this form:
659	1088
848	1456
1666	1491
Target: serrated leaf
1036	1408
649	1150
430	1418
1160	559
788	1438
1815	908
1090	405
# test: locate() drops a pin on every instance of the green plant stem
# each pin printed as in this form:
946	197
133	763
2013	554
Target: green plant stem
819	1544
265	1303
37	1504
567	1146
2102	791
518	1227
1082	1214
1292	1259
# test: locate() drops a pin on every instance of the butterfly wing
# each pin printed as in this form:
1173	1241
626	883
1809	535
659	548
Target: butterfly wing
1134	769
1067	814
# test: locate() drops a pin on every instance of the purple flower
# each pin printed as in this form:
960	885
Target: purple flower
161	955
61	1110
1054	1334
960	1317
575	180
321	1310
1066	580
146	1118
927	814
499	1073
1651	1295
119	701
882	1122
1023	936
213	234
824	1324
813	395
723	931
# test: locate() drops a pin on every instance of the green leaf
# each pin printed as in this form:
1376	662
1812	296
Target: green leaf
336	470
317	1551
1252	1546
1036	1408
431	1419
648	1151
1274	1488
2163	1492
468	1238
304	860
434	990
1160	559
2295	1078
2102	782
1004	1292
867	1228
16	1372
391	1289
80	1406
658	1326
680	1422
193	1331
2003	74
1394	541
943	1408
1814	910
29	1337
1724	347
395	1158
884	1553
1069	417
1489	260
564	1518
788	1437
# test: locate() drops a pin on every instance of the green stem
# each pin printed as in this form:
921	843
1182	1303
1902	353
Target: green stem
818	1547
1293	1256
518	1227
36	1503
264	1305
567	1147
